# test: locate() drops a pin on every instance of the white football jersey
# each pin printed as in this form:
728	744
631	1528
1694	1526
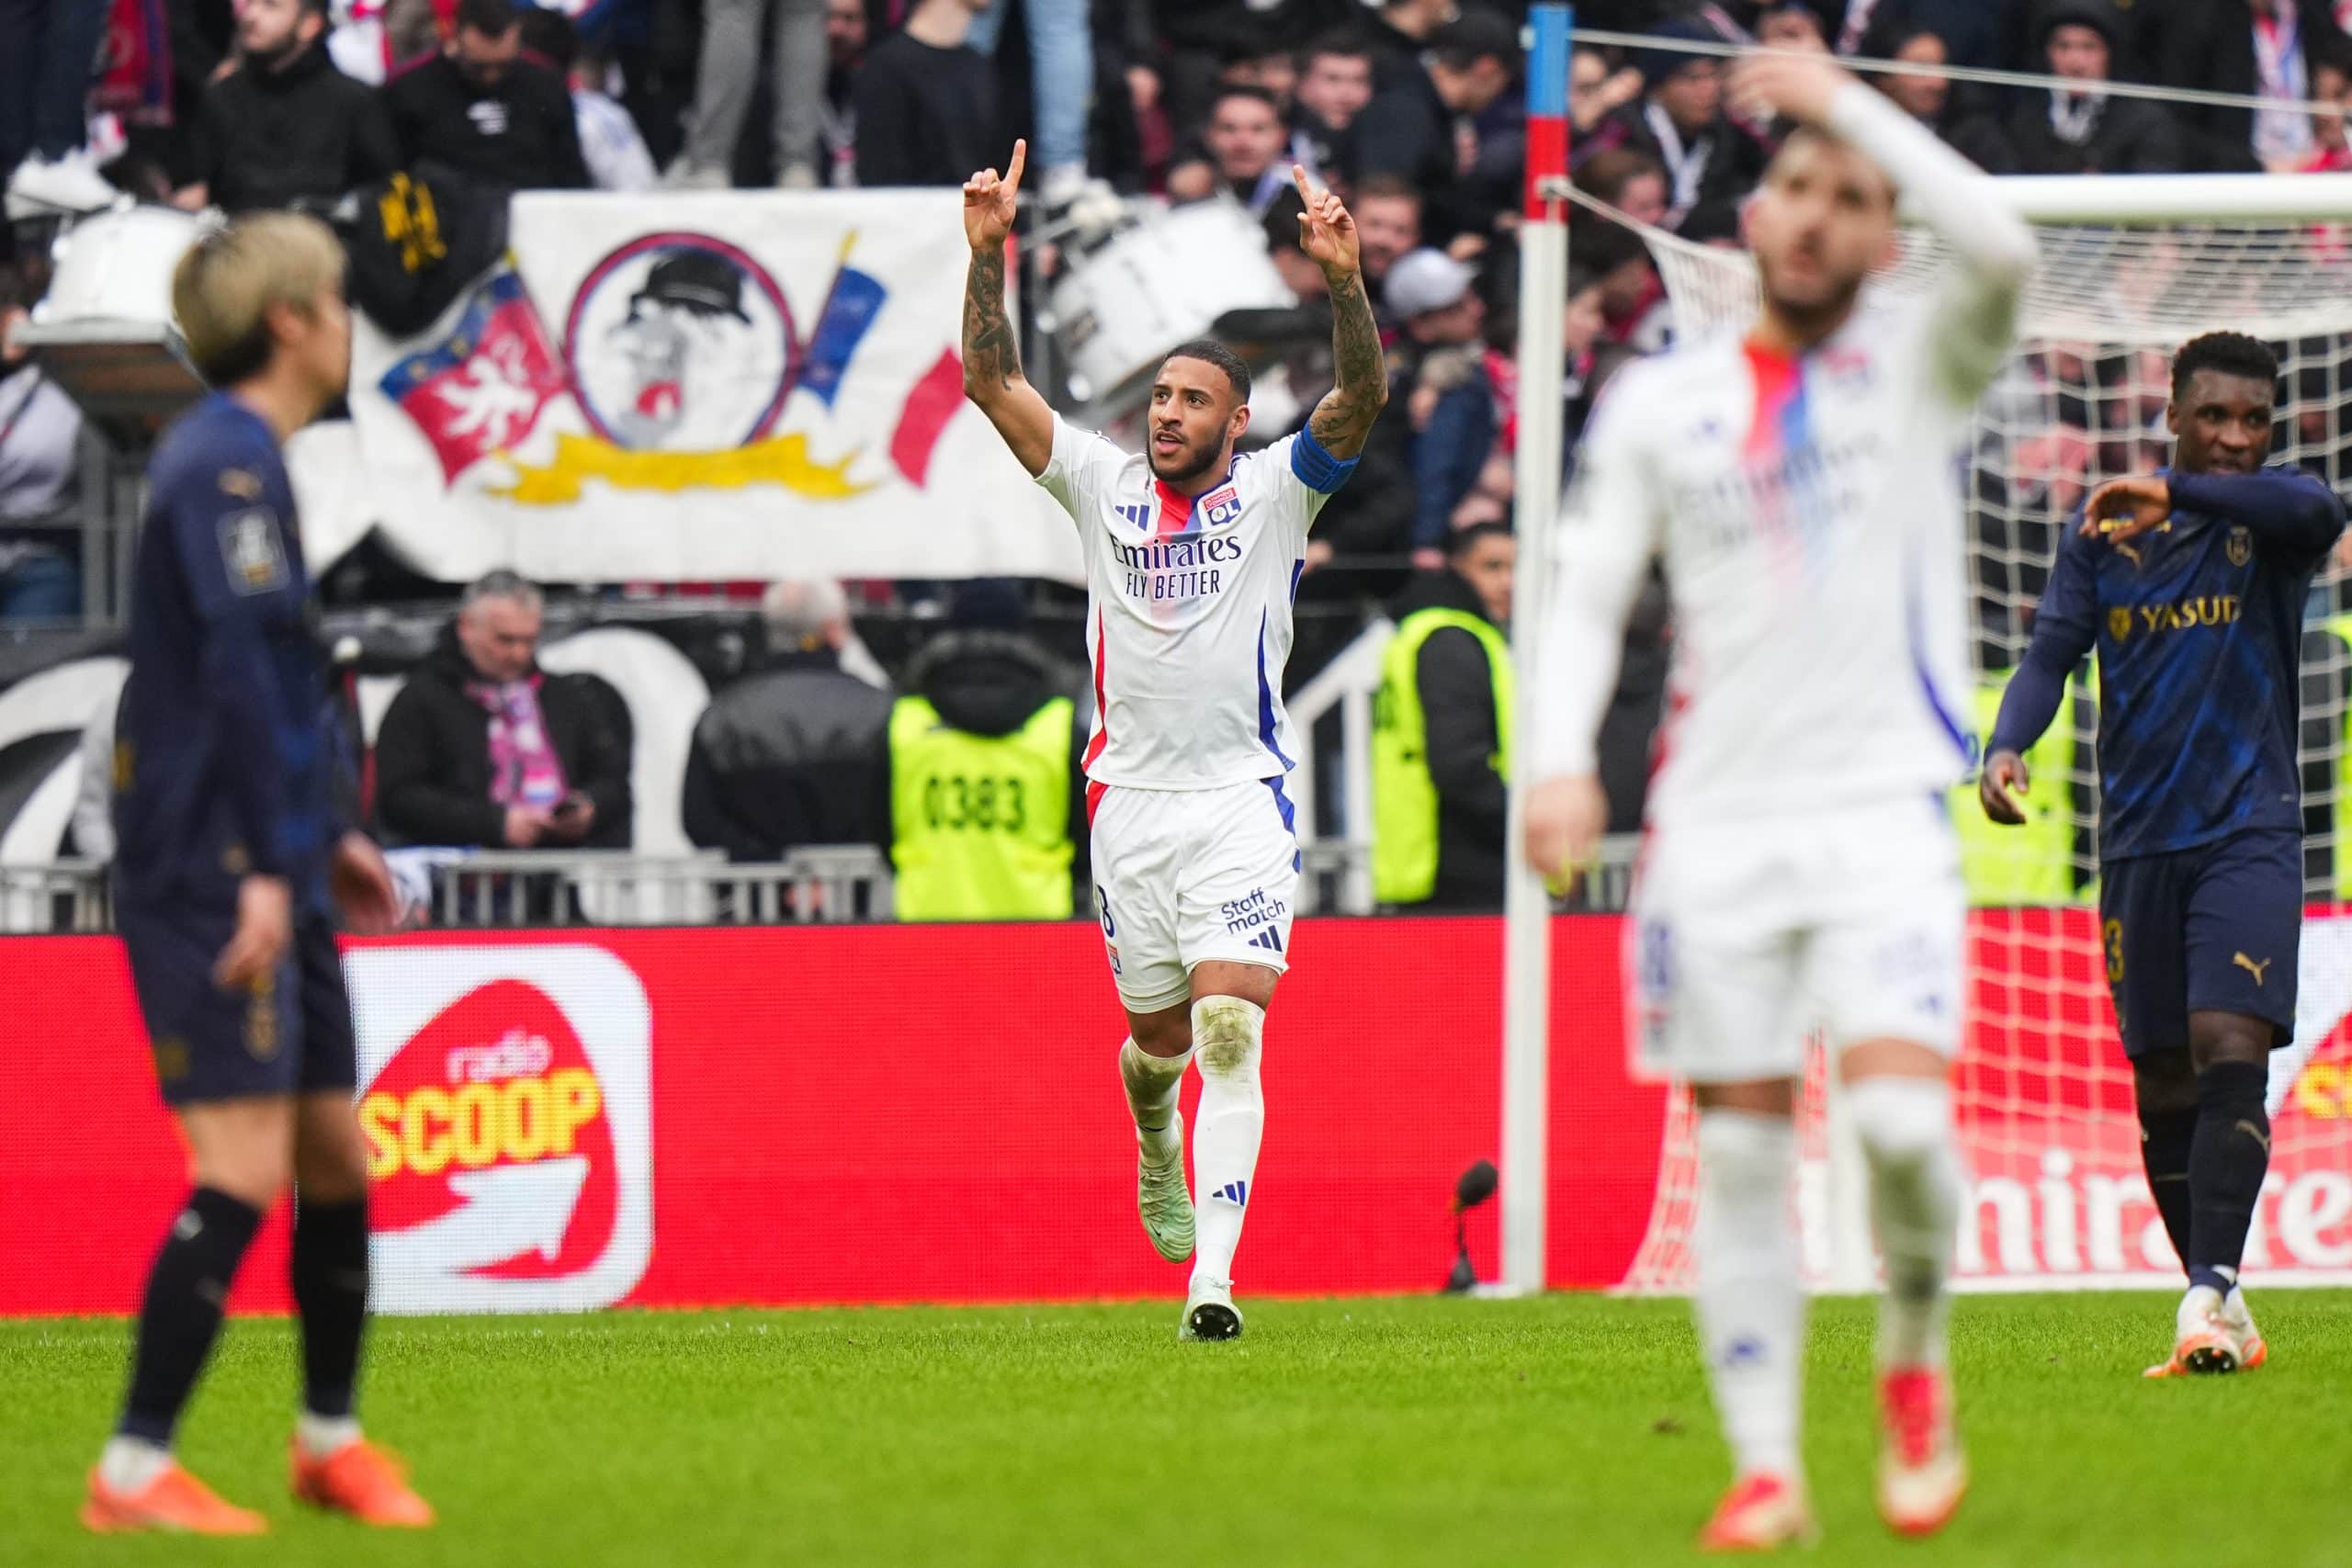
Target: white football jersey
1807	513
1188	620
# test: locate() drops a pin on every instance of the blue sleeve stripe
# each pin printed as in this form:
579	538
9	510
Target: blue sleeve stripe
1317	469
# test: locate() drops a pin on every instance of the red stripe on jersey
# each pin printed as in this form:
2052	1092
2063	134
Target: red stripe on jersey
1094	794
1175	509
1101	713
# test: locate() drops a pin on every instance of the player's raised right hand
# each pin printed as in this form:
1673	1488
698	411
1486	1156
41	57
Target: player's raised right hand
2000	785
1565	817
989	202
265	930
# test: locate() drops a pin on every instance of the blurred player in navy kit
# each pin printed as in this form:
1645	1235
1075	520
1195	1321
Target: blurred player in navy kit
230	858
2190	582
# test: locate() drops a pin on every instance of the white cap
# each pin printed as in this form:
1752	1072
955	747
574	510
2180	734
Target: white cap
1426	280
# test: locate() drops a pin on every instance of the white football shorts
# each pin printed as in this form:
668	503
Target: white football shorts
1747	936
1183	876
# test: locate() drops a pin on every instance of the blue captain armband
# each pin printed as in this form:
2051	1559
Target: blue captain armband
1317	469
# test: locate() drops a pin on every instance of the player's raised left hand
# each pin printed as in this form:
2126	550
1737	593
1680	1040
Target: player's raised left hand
2127	508
362	886
990	202
1766	86
1325	232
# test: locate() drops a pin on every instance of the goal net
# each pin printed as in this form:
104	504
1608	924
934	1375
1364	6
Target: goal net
2044	1097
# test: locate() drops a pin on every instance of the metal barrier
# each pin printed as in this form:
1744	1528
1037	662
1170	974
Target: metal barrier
830	885
65	895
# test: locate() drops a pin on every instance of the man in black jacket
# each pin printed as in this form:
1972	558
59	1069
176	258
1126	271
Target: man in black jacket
1680	122
479	107
1408	130
795	753
2085	132
483	748
1457	752
926	102
285	127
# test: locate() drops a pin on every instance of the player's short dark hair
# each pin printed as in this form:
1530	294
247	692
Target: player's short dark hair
491	18
1209	350
2229	353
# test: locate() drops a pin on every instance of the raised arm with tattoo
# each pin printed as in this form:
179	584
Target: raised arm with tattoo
992	376
1328	235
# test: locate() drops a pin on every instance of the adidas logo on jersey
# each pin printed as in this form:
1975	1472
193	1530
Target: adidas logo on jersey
1269	939
1138	515
1235	1193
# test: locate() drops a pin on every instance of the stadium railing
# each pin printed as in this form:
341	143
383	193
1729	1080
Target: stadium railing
834	885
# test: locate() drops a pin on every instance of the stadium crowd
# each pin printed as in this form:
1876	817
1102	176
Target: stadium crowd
1409	109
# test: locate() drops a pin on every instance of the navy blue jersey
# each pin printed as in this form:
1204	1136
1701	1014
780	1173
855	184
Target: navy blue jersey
2198	625
222	759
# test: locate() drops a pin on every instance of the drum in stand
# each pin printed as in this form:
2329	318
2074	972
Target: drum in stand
1119	309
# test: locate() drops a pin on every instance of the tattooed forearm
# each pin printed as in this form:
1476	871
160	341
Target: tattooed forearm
1360	374
991	359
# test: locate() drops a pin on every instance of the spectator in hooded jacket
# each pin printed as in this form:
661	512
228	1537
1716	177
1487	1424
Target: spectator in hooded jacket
2080	129
284	128
794	753
483	748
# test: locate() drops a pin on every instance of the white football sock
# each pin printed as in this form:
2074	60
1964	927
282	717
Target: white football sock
1914	1152
1152	1083
1227	1035
127	1464
322	1435
1752	1299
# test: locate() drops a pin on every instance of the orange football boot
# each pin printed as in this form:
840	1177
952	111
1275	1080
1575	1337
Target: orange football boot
366	1482
1760	1512
174	1501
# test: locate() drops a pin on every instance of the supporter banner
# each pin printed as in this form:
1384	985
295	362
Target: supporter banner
685	387
708	1117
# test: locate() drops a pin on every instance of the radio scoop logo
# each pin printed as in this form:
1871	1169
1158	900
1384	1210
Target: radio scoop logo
506	1102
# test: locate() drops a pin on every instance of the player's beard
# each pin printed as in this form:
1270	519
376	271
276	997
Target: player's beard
1813	318
1191	465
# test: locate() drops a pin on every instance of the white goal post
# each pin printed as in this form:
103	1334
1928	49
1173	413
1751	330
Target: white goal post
2131	267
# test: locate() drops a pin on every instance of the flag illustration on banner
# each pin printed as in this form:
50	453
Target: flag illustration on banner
851	306
482	388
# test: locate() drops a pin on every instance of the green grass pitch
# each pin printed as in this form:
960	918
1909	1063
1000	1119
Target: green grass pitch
1337	1434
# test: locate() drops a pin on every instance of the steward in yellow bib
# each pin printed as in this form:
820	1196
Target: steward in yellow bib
1440	741
2032	863
987	802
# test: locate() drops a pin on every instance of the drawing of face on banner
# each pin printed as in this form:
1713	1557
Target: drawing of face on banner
680	343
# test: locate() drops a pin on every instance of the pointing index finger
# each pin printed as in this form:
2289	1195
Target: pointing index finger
1012	171
1306	191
